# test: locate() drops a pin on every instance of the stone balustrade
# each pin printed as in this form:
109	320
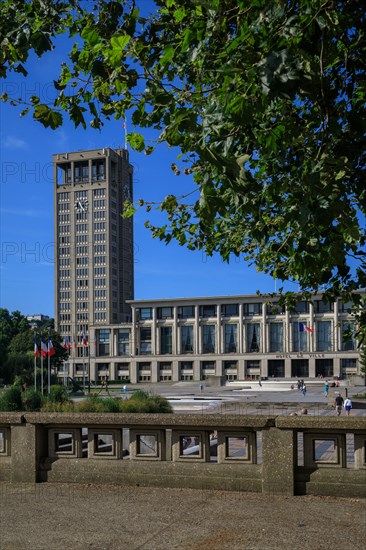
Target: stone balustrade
266	454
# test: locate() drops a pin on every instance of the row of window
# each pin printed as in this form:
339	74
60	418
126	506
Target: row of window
232	310
81	173
300	368
324	338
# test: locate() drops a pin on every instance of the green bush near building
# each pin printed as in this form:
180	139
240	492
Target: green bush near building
14	399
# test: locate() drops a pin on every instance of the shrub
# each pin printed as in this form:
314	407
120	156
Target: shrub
66	407
58	394
11	399
32	400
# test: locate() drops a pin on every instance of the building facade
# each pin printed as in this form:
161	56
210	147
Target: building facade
233	337
94	276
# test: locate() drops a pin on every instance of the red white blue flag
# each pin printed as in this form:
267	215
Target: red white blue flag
36	352
84	340
303	327
51	349
44	349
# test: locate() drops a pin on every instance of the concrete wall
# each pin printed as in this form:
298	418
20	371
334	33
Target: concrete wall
272	455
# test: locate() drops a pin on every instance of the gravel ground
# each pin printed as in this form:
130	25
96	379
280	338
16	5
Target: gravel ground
65	516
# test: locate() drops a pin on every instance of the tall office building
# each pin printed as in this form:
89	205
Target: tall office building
93	243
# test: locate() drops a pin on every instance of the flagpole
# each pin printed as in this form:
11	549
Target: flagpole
42	389
48	366
83	363
35	372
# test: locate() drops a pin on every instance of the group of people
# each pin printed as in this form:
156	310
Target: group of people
301	386
339	403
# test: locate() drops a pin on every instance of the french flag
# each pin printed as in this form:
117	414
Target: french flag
36	352
67	343
44	350
51	349
85	340
303	327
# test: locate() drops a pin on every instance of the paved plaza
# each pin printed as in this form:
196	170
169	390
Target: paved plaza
249	397
80	517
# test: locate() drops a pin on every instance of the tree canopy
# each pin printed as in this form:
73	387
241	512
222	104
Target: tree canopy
265	99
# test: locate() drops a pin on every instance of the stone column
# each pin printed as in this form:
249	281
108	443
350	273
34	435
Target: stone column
28	444
278	461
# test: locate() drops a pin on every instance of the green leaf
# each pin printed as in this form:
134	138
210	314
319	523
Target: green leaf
45	115
136	141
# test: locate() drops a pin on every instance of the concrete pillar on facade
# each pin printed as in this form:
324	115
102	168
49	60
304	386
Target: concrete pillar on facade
155	375
154	335
312	327
241	330
312	367
175	371
197	339
337	329
264	368
264	329
336	366
219	343
288	333
287	368
220	367
241	369
175	346
134	372
196	369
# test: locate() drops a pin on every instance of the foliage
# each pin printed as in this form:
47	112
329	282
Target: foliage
10	325
58	394
11	399
264	99
32	400
17	347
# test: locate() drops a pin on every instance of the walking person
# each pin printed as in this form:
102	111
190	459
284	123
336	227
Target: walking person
326	389
303	389
347	406
338	404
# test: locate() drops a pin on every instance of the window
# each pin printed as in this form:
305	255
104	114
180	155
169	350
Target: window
165	312
165	340
299	336
275	337
81	171
275	309
300	368
64	175
276	368
208	311
98	170
185	312
324	336
253	337
104	342
145	341
323	307
230	310
144	313
231	338
208	339
348	336
186	332
252	309
123	342
302	307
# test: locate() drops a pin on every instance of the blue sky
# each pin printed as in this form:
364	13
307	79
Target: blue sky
26	209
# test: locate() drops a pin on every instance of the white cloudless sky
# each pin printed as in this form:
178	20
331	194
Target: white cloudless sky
26	208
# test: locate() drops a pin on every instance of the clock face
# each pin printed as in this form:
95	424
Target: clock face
81	205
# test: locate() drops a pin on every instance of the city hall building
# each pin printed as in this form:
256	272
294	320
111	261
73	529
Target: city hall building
114	337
